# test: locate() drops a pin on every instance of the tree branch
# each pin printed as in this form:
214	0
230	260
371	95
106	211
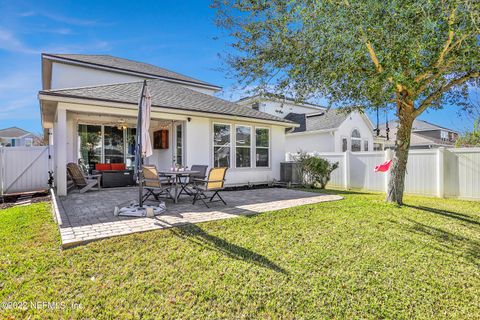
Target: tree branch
445	50
437	94
373	56
451	34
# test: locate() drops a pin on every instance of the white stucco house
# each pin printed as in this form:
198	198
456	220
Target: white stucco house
320	129
89	105
16	137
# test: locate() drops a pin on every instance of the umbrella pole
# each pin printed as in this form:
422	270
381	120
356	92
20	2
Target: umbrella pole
140	142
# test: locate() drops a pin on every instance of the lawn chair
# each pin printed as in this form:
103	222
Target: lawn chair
215	183
82	182
187	185
154	185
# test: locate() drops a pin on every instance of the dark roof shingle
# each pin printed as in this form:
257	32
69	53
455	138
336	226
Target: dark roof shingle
164	94
127	65
327	120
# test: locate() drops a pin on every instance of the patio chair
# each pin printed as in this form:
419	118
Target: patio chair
153	184
188	185
214	183
82	182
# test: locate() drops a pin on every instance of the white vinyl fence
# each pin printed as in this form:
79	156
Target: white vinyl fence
441	172
23	169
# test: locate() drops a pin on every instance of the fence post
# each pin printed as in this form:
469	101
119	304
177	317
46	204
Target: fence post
388	156
346	170
441	172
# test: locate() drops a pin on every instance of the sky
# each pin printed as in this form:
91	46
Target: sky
176	35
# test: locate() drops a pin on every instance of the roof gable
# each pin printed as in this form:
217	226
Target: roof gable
123	65
328	120
13	132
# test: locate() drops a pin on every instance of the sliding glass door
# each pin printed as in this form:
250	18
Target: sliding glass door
113	145
90	145
105	144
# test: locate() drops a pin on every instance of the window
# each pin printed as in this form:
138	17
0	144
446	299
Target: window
243	137
344	144
356	141
377	146
365	145
28	142
256	106
262	147
221	145
444	135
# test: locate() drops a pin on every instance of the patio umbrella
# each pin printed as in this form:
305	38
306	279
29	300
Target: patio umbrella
143	150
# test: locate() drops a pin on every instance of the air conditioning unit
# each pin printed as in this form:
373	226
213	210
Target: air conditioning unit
289	172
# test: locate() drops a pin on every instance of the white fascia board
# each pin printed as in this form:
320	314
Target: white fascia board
310	132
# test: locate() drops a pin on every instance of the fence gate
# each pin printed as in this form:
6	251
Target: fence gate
23	169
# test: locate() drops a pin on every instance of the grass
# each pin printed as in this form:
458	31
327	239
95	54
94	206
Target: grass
356	258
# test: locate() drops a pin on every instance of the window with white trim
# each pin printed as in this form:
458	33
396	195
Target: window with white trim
221	145
243	142
356	141
365	145
262	147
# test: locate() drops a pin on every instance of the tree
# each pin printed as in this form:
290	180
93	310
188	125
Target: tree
470	138
403	54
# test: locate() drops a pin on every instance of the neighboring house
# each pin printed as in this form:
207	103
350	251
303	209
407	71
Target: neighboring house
425	135
320	130
16	137
90	105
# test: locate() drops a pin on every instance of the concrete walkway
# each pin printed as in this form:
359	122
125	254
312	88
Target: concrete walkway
87	217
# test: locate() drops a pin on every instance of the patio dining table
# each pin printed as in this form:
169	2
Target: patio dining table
177	179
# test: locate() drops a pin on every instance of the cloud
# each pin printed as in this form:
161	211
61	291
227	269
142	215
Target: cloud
9	42
62	18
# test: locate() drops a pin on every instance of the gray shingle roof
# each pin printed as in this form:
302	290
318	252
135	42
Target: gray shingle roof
330	119
164	94
418	125
13	132
127	65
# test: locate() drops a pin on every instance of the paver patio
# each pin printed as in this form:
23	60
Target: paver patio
89	216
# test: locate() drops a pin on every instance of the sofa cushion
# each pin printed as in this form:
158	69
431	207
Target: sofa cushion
103	166
118	166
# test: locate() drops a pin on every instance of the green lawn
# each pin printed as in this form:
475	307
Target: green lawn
356	258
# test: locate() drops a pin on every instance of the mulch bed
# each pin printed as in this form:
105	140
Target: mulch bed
19	200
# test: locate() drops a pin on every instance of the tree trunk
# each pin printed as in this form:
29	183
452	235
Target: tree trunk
398	169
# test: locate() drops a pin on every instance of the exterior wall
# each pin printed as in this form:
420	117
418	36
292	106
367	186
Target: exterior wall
198	141
278	108
354	121
315	142
71	76
16	142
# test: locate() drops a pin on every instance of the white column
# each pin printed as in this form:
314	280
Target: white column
440	172
61	152
346	170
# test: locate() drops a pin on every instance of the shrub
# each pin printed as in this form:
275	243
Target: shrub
314	170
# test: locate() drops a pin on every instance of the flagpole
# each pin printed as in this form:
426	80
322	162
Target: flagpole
140	143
